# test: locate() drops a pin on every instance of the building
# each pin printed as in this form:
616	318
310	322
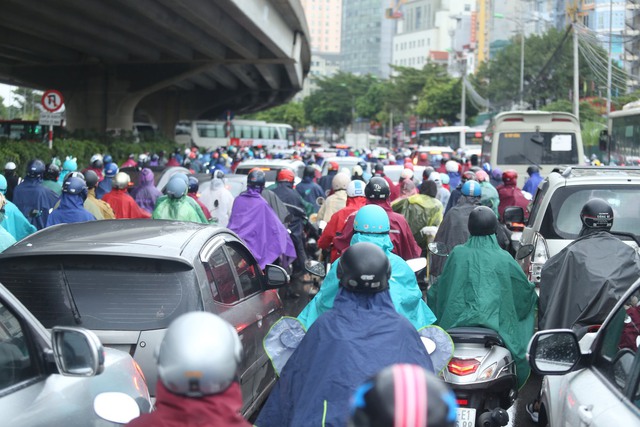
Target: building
324	19
322	65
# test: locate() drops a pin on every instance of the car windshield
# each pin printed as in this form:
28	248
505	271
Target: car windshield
538	148
562	218
110	293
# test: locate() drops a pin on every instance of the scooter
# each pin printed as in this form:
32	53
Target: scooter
481	373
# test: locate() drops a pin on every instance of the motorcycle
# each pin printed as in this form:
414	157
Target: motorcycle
481	373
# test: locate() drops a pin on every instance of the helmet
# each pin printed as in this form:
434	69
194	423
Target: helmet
75	186
468	176
52	172
597	213
35	168
182	176
155	157
376	402
340	181
96	161
199	355
426	173
3	184
285	175
435	177
471	188
143	158
378	168
176	188
334	166
406	173
309	171
70	165
362	164
74	174
371	219
423	156
510	177
482	221
355	188
110	170
107	159
445	178
218	174
533	169
9	166
486	167
194	184
91	178
377	188
364	267
482	176
121	180
357	171
451	166
255	178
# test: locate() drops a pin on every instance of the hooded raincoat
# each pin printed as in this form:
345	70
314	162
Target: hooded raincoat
403	287
218	200
99	208
70	210
489	197
6	239
145	193
310	191
510	195
332	204
34	201
482	285
181	209
580	285
123	205
105	186
257	224
347	345
531	186
336	224
214	410
16	223
420	211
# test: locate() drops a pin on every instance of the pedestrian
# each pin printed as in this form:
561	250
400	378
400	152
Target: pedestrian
34	200
145	193
177	205
217	198
14	220
99	208
71	208
121	202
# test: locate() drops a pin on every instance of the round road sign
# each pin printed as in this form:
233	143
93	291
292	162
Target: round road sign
52	100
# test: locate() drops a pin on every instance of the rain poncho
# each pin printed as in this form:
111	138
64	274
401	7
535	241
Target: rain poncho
70	210
218	200
510	195
336	224
6	239
181	209
403	287
99	208
276	204
454	196
332	204
105	186
34	201
16	223
489	197
205	211
326	181
580	285
145	193
346	346
53	186
482	285
123	205
257	224
69	165
310	191
531	186
420	211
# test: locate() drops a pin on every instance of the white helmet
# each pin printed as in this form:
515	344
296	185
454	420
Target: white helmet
451	166
199	355
10	166
121	180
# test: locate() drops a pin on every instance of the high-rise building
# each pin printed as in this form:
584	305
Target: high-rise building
324	19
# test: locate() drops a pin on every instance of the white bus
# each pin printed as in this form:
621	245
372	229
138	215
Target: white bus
454	137
213	134
518	139
623	148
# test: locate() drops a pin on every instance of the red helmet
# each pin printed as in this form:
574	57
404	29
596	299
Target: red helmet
423	156
510	177
334	166
469	176
286	175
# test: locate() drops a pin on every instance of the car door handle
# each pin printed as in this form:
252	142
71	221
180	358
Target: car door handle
585	414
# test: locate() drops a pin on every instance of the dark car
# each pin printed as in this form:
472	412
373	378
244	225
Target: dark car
126	280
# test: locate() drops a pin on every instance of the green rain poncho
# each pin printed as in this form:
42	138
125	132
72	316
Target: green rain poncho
489	197
420	211
482	285
182	209
403	287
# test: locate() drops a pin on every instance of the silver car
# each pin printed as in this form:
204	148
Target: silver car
63	378
595	381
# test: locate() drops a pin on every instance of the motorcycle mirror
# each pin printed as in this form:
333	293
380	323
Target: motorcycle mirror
438	248
417	264
524	251
315	267
320	201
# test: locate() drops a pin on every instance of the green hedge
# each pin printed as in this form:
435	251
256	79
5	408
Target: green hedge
20	152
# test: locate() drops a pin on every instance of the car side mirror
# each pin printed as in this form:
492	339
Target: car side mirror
554	352
320	201
276	276
513	218
524	251
603	140
77	351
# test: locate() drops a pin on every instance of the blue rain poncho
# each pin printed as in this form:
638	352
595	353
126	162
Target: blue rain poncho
16	223
34	201
71	210
403	287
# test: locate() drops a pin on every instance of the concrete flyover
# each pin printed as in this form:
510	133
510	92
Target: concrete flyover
168	59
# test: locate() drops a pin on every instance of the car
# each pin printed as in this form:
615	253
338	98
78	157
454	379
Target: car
593	381
554	217
434	155
235	183
271	167
126	280
394	171
347	162
63	377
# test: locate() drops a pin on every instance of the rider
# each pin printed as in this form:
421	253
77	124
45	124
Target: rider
482	285
71	208
6	239
121	202
197	370
308	189
531	186
50	178
337	200
14	221
217	198
510	194
371	225
457	191
13	179
378	170
353	341
34	200
96	165
194	186
326	181
106	185
145	193
99	208
176	205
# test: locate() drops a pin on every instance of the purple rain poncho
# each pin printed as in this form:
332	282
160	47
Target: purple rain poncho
257	224
145	193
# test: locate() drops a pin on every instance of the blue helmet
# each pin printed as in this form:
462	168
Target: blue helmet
110	170
472	188
35	168
75	186
371	219
3	184
70	165
107	159
487	168
194	184
176	188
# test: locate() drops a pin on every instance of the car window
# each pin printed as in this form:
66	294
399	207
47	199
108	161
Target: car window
221	279
246	269
16	363
618	348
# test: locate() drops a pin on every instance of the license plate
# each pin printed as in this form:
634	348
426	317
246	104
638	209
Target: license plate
466	417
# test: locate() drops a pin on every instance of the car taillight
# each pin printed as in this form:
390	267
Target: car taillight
463	367
462	402
538	259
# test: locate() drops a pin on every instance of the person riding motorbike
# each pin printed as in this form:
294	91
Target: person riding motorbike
50	178
71	208
145	193
371	224
482	285
14	220
308	189
106	185
120	201
457	191
347	345
326	182
6	239
99	208
12	178
531	186
194	186
217	198
337	200
394	190
34	200
510	194
178	205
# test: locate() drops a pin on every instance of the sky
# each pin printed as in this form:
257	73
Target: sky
5	93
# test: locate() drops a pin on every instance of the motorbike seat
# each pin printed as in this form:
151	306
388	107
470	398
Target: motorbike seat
475	335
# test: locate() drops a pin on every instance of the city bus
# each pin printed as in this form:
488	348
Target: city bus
623	148
519	139
455	137
208	134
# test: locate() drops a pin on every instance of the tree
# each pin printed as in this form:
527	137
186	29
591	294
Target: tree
291	113
3	109
27	100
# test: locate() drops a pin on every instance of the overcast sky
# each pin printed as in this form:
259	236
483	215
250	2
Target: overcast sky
5	93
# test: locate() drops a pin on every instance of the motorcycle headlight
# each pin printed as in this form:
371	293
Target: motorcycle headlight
488	372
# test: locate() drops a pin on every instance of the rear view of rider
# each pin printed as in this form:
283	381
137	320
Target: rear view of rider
482	285
34	200
71	208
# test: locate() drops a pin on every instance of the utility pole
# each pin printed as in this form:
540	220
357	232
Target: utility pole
463	103
576	71
609	73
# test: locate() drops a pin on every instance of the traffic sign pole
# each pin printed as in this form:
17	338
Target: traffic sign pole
50	137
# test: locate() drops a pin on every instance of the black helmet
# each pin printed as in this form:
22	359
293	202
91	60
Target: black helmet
403	387
256	178
364	268
533	169
52	173
482	221
597	213
378	168
377	188
35	168
426	173
91	178
75	186
194	184
309	171
96	161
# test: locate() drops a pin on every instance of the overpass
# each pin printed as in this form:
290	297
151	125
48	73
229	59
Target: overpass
166	59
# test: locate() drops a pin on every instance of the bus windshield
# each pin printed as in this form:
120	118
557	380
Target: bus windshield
441	139
542	148
625	131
